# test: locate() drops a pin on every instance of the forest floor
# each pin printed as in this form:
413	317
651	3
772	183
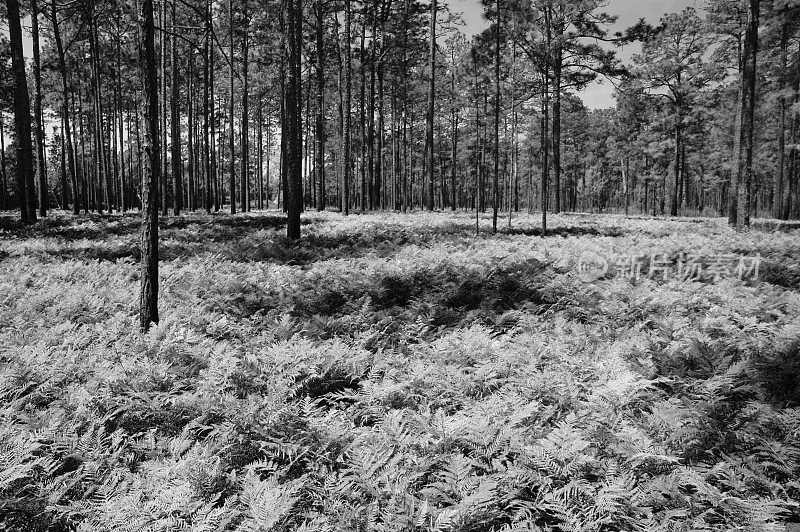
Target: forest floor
399	373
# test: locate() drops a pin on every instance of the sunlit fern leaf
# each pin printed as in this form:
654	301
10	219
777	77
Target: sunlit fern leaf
267	502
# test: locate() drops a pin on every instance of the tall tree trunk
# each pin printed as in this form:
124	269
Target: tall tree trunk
62	67
177	163
454	122
22	118
102	193
3	175
245	183
431	103
207	81
557	71
745	166
37	110
190	196
164	143
545	150
377	186
294	129
268	150
791	177
120	111
673	209
495	192
232	137
348	102
148	296
320	127
260	155
63	161
778	189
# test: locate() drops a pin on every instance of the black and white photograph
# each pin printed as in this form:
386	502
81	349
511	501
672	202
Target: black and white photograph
399	265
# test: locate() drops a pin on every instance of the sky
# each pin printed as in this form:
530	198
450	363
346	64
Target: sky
599	94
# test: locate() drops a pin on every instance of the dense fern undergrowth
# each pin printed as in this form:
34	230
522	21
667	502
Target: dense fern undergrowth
395	373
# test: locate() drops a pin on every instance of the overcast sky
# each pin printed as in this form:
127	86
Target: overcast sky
598	95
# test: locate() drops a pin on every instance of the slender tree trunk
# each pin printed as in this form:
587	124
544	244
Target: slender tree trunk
37	111
495	192
673	209
778	189
378	175
63	160
164	143
791	177
177	163
557	68
347	109
207	82
545	158
190	138
245	182
62	67
5	205
269	151
745	167
148	297
231	103
320	127
431	102
123	198
454	123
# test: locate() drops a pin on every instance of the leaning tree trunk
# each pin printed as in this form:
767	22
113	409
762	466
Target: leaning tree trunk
148	295
22	118
745	167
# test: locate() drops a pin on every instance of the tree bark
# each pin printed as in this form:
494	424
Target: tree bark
294	130
495	192
148	296
320	126
37	111
190	163
177	163
431	103
232	111
673	209
777	201
245	182
22	118
348	102
745	166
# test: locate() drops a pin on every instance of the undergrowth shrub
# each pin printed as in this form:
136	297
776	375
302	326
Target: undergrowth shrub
393	373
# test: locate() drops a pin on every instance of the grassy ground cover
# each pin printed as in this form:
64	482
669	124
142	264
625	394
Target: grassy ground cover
396	372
